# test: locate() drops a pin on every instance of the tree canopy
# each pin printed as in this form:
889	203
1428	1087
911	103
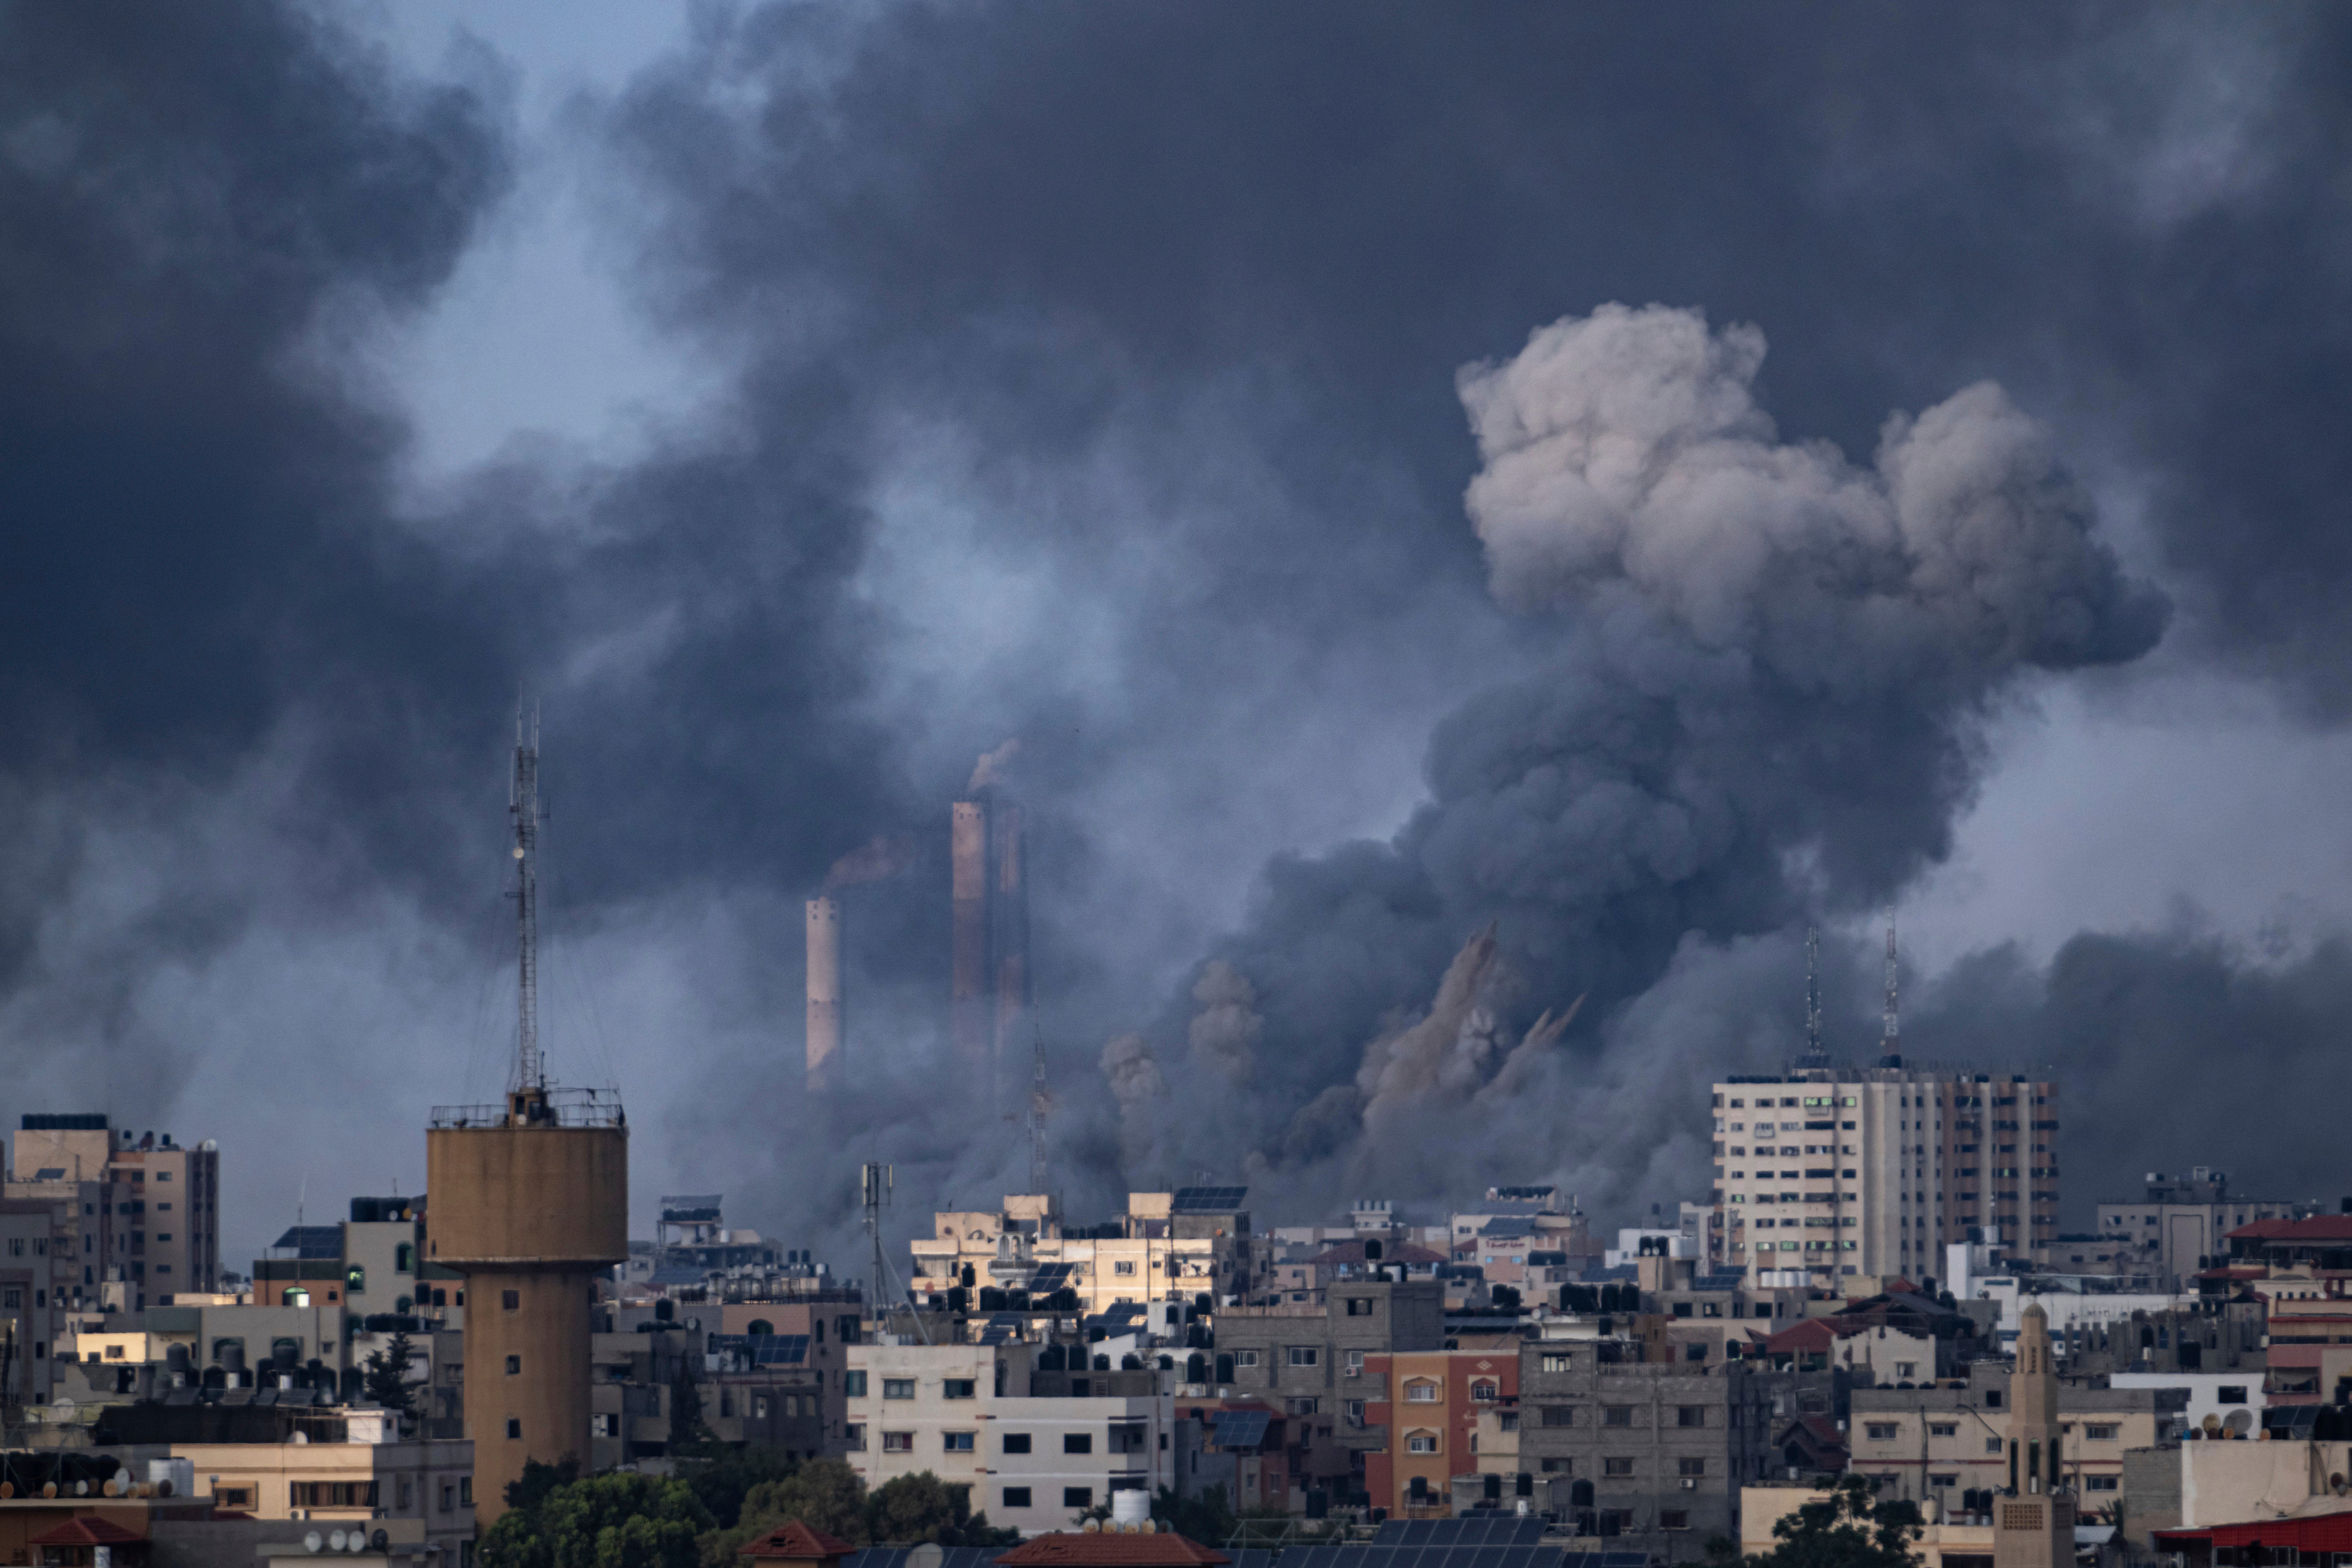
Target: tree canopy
1847	1527
827	1494
623	1520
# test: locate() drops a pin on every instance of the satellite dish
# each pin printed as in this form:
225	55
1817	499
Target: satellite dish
64	1407
2239	1421
2212	1423
310	1541
380	1539
359	1541
337	1540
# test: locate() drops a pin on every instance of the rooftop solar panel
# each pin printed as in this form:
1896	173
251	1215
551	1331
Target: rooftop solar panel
1241	1429
1208	1200
1251	1557
970	1556
1049	1276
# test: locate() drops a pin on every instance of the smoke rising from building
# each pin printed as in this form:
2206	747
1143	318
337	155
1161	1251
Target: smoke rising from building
1770	665
1172	486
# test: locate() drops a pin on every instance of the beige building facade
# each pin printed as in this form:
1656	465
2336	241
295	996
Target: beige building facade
1156	1251
146	1209
1826	1173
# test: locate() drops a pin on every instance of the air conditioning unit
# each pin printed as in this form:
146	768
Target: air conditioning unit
1690	1483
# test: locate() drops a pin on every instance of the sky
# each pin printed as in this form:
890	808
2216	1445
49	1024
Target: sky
1474	518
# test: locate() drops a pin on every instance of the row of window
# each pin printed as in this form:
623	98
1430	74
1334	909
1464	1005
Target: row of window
1072	1497
1889	1431
1621	1414
1013	1442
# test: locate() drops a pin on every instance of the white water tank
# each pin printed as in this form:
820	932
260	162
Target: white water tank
1132	1506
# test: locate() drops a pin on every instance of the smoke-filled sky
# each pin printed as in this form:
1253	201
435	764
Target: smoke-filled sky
1484	522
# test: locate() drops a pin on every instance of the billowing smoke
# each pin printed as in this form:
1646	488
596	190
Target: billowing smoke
1770	667
992	766
884	856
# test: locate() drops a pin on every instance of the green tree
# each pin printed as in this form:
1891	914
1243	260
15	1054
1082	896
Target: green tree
1207	1519
686	1429
825	1494
386	1374
1847	1527
538	1480
623	1520
724	1474
912	1510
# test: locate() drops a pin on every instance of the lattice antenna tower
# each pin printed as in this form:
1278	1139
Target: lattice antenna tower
1893	1022
531	1066
875	1183
1813	993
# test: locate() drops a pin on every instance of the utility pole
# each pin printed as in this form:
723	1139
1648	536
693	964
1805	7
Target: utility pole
530	1069
874	1190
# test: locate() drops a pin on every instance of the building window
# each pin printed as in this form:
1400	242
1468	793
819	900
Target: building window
2229	1394
956	1388
852	1433
511	1300
1484	1393
1617	1415
1305	1355
1943	1483
2101	1433
1016	1442
514	1428
1556	1360
1354	1364
1690	1415
1360	1306
1077	1497
1122	1268
1077	1442
2100	1483
1420	1391
898	1442
1420	1443
955	1442
1882	1431
1559	1415
1690	1466
1906	1370
1616	1467
1560	1467
1016	1497
1943	1428
1304	1406
448	1498
464	1492
332	1494
1245	1358
853	1384
897	1388
242	1497
1992	1444
1673	1518
514	1366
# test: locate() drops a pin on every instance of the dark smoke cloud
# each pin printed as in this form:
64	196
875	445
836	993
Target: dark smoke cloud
1099	388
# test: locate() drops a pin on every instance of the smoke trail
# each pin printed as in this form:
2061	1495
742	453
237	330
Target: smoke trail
992	766
884	855
1771	668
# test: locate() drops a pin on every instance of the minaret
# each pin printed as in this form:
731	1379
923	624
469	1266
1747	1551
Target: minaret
2033	1521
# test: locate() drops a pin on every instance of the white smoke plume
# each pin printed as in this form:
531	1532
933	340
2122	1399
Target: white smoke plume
992	766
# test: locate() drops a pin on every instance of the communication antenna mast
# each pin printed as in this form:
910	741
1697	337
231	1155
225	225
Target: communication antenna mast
1894	1025
1041	1102
531	1068
1812	993
875	1183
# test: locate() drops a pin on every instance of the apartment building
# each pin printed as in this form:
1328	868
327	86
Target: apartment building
1653	1452
1826	1173
1033	1452
1943	1441
2180	1223
37	1237
147	1209
1430	1404
1191	1242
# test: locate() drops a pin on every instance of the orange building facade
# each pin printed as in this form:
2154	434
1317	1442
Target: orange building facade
1430	1402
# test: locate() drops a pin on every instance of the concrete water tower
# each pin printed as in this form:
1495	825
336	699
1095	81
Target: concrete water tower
530	1202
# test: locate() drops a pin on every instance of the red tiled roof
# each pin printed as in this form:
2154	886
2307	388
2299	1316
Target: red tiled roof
2319	1227
87	1529
1811	1335
1111	1548
2319	1532
797	1542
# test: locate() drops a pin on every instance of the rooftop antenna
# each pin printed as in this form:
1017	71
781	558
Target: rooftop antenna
1894	1025
875	1183
531	1068
1814	1056
1041	1102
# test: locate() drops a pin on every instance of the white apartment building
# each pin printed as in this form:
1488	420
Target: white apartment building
1823	1172
1191	1242
968	1414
